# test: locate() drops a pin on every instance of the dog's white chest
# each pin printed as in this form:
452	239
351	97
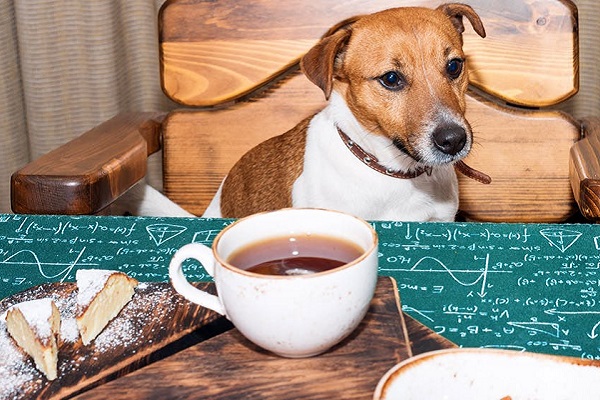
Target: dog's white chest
334	178
379	198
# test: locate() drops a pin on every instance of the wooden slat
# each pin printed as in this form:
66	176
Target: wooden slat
215	52
527	156
525	152
230	367
219	71
91	171
530	56
201	146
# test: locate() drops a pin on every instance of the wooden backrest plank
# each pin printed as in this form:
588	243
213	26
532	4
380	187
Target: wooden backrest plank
527	155
525	152
216	52
530	56
199	147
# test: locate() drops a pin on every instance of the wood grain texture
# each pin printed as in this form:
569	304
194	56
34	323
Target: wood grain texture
200	147
156	317
519	61
526	153
230	367
86	174
216	52
585	169
423	339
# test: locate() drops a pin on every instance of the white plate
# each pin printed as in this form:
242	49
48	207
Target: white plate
482	374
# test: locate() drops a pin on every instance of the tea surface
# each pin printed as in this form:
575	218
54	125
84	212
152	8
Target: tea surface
298	255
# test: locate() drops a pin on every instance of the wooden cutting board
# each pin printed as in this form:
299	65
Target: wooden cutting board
156	318
228	366
160	325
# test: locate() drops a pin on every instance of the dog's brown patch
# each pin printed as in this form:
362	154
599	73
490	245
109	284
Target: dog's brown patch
267	172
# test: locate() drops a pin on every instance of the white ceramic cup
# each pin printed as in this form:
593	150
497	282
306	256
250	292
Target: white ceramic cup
292	316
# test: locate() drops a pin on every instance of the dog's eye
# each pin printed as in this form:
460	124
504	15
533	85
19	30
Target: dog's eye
392	80
454	68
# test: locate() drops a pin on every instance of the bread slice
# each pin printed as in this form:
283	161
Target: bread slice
101	296
35	326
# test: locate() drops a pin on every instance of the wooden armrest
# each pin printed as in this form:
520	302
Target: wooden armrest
584	169
88	173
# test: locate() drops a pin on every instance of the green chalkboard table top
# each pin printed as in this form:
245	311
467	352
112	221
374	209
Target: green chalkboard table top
514	286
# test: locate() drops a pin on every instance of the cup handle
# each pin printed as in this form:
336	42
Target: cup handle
203	254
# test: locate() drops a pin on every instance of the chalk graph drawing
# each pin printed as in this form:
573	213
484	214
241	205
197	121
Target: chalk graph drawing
562	239
49	270
205	237
433	265
161	233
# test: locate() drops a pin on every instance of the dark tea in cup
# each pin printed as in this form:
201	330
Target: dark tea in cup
295	255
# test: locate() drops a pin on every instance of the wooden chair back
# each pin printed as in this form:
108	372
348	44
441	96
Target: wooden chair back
237	61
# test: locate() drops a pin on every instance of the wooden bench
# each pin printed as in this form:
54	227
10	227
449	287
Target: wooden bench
236	63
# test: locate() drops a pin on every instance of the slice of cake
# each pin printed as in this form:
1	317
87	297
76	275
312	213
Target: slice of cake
102	294
35	326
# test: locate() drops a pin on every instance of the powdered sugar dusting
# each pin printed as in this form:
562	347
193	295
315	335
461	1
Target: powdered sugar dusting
140	327
122	334
127	328
16	369
18	373
68	325
90	282
38	314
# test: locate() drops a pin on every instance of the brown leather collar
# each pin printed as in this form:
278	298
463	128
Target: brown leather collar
372	162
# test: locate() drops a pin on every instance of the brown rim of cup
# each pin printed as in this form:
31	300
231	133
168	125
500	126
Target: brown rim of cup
233	268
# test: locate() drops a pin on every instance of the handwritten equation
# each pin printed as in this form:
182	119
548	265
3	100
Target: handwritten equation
525	287
520	287
40	249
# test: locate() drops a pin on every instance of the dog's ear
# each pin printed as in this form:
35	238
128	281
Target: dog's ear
319	63
455	11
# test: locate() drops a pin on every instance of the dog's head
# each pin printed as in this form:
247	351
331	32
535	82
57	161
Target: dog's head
403	74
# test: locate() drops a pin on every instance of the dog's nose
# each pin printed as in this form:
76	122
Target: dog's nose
450	139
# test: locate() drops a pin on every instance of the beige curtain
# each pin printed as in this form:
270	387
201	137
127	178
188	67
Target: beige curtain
67	66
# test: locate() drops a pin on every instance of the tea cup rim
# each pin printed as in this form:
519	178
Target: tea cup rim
233	268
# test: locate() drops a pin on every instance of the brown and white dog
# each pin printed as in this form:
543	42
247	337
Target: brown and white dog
386	145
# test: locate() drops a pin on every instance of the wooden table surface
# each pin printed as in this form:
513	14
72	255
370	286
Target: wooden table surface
228	366
162	346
